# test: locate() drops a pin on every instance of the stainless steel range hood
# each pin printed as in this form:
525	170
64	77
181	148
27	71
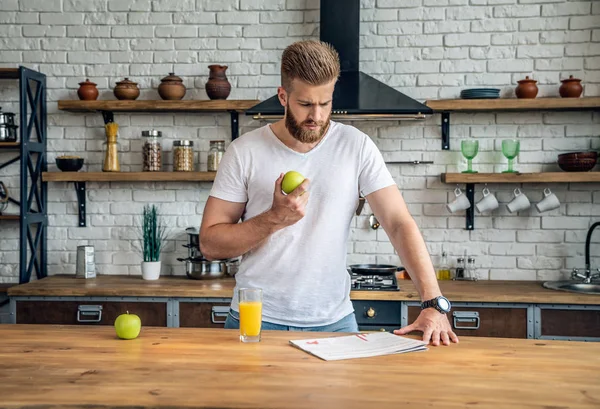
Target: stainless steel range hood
357	96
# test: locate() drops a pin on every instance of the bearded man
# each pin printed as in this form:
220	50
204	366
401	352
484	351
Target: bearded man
293	246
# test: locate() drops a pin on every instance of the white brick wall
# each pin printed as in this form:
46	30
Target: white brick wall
425	48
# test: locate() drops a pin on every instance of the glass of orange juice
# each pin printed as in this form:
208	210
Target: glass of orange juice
250	304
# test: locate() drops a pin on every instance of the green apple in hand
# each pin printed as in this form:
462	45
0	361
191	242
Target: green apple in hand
291	180
128	326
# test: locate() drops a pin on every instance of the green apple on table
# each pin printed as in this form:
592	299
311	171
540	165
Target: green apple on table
291	180
128	326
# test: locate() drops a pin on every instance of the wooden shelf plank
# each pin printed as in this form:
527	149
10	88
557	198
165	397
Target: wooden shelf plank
128	176
9	217
9	145
9	73
157	106
514	104
543	177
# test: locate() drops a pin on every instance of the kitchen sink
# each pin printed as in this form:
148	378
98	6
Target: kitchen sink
573	286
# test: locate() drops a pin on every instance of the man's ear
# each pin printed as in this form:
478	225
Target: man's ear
282	95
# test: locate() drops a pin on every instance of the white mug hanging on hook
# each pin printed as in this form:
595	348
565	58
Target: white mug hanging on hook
520	202
488	203
549	202
461	202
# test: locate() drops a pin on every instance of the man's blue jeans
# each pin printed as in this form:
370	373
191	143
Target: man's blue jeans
346	324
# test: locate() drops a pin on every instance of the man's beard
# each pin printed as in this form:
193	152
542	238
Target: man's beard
305	135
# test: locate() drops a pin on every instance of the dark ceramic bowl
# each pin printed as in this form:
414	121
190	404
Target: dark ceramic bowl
69	164
577	161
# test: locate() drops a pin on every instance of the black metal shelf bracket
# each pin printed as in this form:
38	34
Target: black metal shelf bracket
235	125
80	191
445	130
470	213
108	117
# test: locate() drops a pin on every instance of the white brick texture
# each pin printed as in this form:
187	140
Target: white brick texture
427	49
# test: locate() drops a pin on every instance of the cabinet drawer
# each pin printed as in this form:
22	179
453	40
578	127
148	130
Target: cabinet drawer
378	328
377	312
483	321
152	314
570	323
202	314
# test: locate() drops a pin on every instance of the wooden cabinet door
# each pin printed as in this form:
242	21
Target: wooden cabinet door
203	314
491	322
570	323
152	314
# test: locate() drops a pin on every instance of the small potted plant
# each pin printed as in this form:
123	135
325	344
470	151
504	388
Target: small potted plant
153	238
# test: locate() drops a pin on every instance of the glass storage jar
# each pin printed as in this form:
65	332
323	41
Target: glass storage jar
183	156
152	151
215	153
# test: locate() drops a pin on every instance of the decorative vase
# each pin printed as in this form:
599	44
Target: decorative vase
87	91
151	270
126	90
570	88
217	86
527	88
171	87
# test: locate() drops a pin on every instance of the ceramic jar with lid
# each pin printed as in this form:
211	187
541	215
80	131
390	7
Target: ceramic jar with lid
570	88
171	87
152	151
127	90
87	91
527	88
183	156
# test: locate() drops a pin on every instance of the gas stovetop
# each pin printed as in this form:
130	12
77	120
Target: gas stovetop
361	282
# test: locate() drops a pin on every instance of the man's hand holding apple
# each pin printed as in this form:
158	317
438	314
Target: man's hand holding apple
289	209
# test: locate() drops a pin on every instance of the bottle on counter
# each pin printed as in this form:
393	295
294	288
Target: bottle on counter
443	272
183	156
152	151
470	272
215	153
459	273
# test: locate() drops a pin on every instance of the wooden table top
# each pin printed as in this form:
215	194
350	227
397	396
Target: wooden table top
132	286
76	366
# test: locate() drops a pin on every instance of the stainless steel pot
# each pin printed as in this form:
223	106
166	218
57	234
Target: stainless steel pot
205	269
8	133
7	118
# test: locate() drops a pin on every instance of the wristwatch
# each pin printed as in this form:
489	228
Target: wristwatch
440	303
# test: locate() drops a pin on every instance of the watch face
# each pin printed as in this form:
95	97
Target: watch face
443	303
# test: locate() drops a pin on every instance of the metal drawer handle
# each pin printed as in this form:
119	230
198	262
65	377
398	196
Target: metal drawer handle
219	312
465	317
93	311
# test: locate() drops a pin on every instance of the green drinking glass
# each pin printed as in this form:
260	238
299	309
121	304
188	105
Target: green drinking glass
469	149
510	149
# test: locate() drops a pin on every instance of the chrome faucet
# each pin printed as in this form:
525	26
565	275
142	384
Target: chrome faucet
588	276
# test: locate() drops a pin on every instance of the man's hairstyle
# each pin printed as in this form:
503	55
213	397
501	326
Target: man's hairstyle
314	62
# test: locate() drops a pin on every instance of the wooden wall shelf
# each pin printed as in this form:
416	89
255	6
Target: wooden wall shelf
9	217
9	73
446	106
157	106
128	176
80	179
544	177
9	145
514	104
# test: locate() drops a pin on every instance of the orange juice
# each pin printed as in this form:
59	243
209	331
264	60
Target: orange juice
250	318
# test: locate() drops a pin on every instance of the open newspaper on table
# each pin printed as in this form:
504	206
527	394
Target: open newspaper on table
359	345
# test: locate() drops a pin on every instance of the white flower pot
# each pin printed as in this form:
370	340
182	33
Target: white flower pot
151	270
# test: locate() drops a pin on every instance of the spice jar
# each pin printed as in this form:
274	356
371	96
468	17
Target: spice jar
215	153
152	151
183	156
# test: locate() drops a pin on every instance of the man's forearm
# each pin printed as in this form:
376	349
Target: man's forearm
411	248
223	241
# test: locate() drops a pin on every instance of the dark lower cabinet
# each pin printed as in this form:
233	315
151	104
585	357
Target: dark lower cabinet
483	321
152	314
377	315
202	314
570	323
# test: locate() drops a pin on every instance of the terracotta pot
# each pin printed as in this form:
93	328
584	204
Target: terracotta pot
527	88
217	86
570	88
87	91
126	90
171	87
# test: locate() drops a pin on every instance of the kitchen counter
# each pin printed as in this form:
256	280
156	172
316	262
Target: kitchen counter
133	286
75	367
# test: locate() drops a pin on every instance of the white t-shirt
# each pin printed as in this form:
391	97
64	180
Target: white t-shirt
301	268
